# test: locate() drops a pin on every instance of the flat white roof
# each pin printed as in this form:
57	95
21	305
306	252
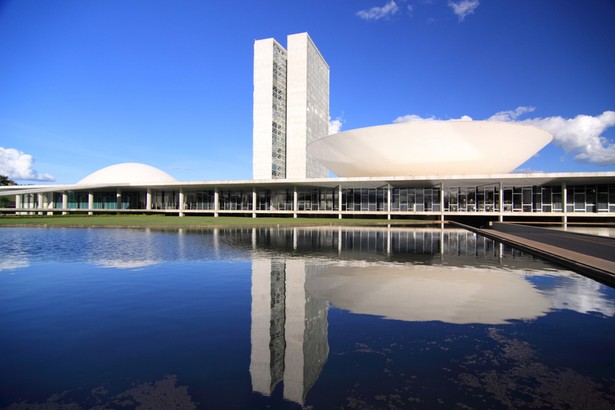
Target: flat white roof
535	178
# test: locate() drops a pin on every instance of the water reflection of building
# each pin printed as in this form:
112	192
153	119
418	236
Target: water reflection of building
289	328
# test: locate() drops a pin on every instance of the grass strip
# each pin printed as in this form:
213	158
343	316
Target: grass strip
165	221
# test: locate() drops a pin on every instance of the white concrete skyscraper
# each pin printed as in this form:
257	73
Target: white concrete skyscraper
291	107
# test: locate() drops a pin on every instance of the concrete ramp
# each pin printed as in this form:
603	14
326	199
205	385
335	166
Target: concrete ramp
592	256
597	246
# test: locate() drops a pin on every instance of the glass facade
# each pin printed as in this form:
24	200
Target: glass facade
200	200
274	200
235	200
278	112
165	199
317	199
484	199
77	200
416	199
364	199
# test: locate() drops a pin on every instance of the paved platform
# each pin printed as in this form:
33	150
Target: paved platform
592	256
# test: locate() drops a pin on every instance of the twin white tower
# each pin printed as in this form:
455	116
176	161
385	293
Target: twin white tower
291	108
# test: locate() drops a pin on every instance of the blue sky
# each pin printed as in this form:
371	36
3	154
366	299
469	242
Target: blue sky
87	84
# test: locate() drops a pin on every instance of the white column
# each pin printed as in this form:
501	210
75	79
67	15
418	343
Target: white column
442	203
501	202
253	202
295	201
118	199
339	200
90	202
40	202
148	199
216	202
18	201
389	197
64	202
49	203
565	205
181	202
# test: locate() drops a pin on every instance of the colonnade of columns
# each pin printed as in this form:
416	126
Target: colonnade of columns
45	202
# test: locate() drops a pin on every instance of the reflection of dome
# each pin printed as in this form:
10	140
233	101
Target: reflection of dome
127	173
429	148
426	293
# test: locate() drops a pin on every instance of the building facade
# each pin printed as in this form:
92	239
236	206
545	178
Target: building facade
553	197
291	107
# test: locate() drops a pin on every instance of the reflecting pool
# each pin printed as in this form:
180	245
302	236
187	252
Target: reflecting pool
292	317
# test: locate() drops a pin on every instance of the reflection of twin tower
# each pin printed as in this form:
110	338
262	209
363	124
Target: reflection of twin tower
289	329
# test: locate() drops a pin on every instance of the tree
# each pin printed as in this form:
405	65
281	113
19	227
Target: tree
6	181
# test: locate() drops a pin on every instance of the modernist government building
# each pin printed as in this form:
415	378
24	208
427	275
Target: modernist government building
435	170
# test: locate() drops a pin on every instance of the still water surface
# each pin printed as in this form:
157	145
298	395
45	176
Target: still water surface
284	318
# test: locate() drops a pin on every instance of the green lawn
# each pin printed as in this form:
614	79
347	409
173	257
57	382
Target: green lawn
187	221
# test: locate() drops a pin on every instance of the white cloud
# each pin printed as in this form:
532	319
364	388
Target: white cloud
510	115
462	118
377	13
417	118
18	165
335	125
463	8
581	135
412	118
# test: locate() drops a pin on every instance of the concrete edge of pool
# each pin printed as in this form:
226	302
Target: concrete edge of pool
564	248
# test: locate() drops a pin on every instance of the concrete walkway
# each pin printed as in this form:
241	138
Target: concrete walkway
592	256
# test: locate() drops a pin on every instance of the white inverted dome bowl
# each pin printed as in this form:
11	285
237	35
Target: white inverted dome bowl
429	148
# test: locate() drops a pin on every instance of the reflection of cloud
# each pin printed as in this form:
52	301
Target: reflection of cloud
580	294
13	262
129	249
426	293
126	264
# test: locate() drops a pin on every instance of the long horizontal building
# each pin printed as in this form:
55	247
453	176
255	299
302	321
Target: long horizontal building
548	196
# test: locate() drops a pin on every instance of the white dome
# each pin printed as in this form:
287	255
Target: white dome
127	173
429	148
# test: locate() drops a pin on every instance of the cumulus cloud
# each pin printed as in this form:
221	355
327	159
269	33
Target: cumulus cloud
335	125
510	115
417	118
463	8
18	165
377	13
581	135
412	118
